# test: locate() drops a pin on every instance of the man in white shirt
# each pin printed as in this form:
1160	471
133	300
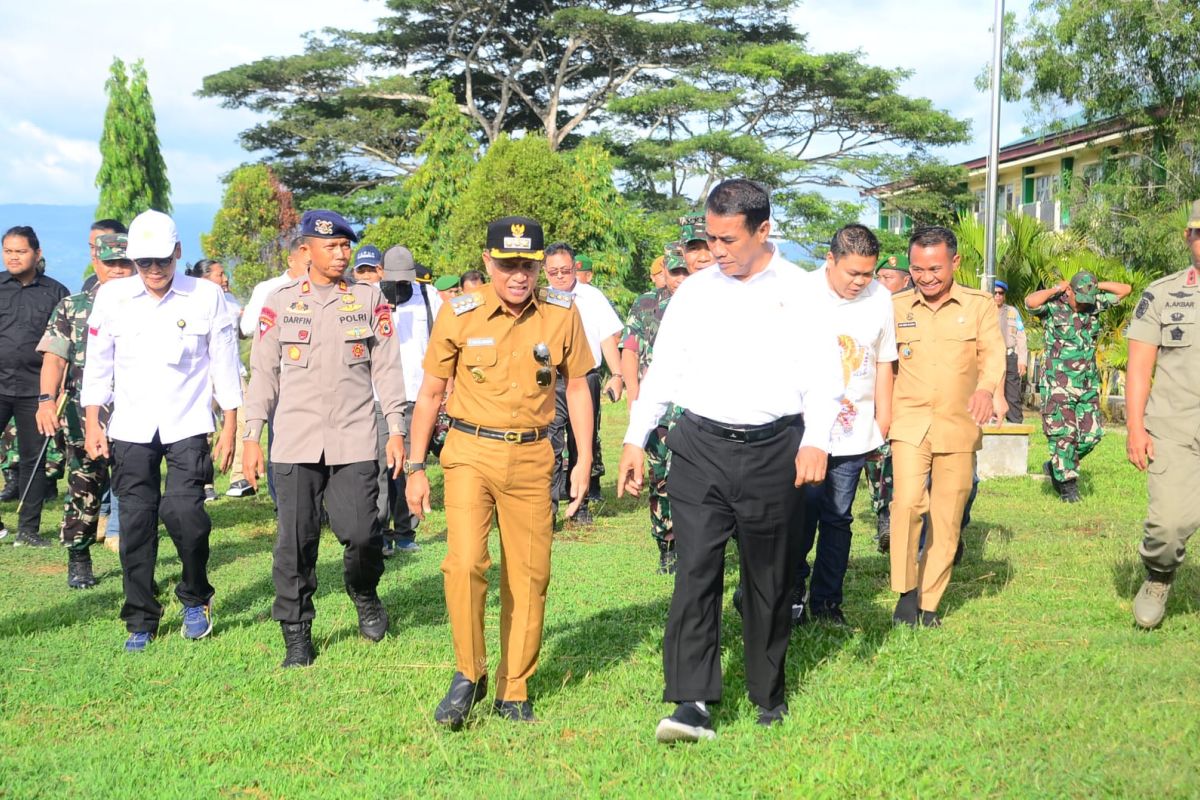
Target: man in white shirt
858	310
743	351
602	327
160	348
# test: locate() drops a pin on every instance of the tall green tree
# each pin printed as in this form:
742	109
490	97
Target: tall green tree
447	152
133	175
1136	62
251	229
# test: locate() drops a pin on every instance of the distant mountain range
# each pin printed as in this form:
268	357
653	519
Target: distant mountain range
63	231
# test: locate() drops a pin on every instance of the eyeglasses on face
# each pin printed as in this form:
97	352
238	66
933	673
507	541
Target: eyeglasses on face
148	263
559	273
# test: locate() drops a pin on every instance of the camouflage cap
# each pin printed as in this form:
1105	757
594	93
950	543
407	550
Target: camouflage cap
1085	286
673	257
692	229
111	246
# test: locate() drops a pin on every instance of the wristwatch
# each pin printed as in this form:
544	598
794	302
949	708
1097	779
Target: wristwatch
413	466
45	398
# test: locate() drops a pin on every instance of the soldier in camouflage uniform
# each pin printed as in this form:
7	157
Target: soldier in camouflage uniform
693	239
892	272
637	350
1070	314
64	346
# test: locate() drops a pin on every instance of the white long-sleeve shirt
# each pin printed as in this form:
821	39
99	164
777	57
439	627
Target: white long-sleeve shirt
743	353
600	321
161	362
258	297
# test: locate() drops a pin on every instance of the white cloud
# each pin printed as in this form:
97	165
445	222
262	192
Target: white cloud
44	167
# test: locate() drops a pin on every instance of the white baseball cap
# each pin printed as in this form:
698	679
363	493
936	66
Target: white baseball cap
152	234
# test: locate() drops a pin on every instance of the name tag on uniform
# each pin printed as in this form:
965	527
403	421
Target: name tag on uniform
906	324
482	341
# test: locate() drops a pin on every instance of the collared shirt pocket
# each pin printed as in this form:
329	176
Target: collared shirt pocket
960	344
193	338
908	341
357	351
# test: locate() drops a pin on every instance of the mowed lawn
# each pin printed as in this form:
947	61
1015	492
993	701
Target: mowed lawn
1038	685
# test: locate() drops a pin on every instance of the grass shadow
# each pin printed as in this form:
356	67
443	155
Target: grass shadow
976	575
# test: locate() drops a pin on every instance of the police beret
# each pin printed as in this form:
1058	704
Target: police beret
324	224
515	237
1001	285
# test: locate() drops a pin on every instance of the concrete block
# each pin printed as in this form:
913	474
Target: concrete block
1005	451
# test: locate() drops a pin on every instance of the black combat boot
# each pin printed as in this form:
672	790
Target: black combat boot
372	616
297	641
79	569
11	489
883	530
667	557
1068	491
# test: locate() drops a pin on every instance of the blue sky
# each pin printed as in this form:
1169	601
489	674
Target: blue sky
57	54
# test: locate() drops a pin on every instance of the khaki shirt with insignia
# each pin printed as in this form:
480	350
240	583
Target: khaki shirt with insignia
1166	317
313	365
489	353
946	355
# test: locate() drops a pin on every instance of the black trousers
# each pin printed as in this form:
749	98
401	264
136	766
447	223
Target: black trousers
349	492
561	434
718	488
1012	390
29	447
137	483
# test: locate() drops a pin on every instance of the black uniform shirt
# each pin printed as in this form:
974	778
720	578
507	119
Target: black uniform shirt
24	312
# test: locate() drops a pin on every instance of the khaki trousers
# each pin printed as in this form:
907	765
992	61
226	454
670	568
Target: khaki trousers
916	468
1173	514
513	481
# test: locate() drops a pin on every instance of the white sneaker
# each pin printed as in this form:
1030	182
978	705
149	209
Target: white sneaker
687	724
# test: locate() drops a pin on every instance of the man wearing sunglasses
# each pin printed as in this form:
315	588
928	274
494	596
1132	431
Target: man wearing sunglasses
160	348
506	349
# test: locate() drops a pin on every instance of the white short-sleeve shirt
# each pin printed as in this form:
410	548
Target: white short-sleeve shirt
600	321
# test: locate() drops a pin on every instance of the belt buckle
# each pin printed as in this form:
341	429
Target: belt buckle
512	437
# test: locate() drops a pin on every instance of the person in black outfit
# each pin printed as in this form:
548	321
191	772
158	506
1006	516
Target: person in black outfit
27	298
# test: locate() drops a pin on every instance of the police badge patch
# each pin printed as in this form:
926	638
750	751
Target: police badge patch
324	227
1143	305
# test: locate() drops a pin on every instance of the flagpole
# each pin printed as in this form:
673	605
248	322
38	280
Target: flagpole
990	212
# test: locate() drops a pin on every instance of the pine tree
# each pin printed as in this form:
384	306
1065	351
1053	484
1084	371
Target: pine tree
133	175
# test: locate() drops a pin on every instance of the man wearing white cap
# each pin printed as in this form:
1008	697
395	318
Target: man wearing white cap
160	348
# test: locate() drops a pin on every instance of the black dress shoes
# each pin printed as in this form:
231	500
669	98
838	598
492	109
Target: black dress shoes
929	619
515	710
772	716
906	612
457	704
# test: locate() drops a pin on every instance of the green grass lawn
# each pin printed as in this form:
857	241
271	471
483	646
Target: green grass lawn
1038	685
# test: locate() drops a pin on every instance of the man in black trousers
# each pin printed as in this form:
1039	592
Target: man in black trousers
743	351
27	298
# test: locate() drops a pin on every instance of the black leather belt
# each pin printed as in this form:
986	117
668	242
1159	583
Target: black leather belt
512	437
743	433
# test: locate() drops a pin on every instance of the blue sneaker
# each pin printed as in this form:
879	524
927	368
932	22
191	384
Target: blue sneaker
405	544
197	621
137	642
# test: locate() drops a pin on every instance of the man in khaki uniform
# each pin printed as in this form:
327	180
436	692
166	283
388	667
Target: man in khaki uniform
1164	437
505	347
321	345
951	361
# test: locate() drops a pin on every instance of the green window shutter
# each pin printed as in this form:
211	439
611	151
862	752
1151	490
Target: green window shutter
1027	184
883	220
1068	170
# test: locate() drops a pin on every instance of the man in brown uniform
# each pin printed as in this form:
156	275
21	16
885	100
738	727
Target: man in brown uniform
951	361
321	345
505	347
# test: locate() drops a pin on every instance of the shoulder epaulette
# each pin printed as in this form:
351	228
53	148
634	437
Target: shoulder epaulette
975	292
557	297
465	302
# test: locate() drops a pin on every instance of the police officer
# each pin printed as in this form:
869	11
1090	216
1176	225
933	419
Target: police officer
637	351
64	346
161	347
1164	435
506	348
321	345
1016	350
951	362
1070	313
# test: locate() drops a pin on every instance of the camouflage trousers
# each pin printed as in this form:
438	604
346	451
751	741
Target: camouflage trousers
55	461
658	463
87	481
879	478
1071	422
